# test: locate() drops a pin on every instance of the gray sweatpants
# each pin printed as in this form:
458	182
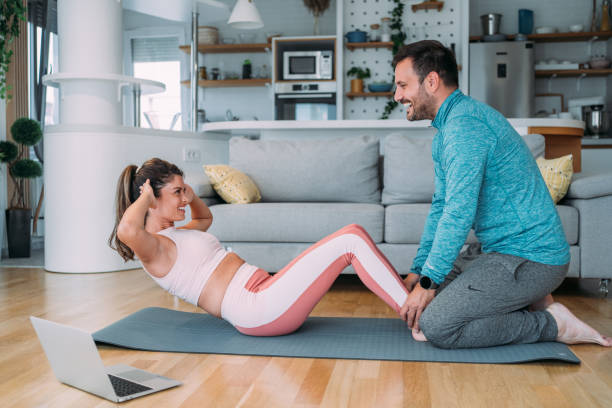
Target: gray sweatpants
483	301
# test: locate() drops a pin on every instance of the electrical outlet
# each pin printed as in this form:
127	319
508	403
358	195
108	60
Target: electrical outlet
192	155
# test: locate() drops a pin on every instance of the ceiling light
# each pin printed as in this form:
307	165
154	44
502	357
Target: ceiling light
245	16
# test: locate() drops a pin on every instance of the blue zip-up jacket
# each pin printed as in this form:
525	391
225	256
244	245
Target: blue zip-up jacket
486	179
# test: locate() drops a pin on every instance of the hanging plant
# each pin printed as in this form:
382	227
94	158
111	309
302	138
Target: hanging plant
397	37
317	8
11	11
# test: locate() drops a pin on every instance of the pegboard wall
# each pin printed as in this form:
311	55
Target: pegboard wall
443	26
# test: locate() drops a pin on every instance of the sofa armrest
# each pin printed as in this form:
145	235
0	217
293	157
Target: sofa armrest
594	235
587	186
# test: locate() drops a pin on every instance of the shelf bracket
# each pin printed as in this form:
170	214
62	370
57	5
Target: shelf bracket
553	76
578	82
590	45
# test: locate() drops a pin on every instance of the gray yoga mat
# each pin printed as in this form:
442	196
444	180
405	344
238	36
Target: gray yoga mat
158	329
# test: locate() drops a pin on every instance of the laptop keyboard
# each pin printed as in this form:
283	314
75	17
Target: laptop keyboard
124	387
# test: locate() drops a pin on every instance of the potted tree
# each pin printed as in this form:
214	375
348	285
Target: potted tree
26	132
360	74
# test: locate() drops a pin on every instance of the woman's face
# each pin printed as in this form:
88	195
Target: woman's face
172	200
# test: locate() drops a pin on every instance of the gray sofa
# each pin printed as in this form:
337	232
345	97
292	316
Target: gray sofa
312	187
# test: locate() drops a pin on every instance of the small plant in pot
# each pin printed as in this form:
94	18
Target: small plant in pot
360	74
26	132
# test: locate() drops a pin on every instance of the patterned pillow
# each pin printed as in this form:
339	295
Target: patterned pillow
557	174
232	185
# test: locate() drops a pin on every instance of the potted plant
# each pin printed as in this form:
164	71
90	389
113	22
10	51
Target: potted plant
26	132
360	74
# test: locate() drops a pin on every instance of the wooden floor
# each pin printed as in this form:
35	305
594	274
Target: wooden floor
93	301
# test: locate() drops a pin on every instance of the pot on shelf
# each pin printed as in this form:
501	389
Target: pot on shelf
356	36
357	85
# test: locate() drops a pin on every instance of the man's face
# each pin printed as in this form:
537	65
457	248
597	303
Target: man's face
412	94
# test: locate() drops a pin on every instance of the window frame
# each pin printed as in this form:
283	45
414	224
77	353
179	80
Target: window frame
128	65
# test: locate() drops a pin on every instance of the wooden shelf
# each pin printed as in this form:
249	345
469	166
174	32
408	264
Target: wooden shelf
352	95
558	37
225	83
572	72
228	48
428	5
371	44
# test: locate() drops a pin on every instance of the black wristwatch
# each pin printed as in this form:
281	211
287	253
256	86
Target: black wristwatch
427	283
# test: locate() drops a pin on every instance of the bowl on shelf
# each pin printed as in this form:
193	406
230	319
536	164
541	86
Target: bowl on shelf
545	30
247	38
380	86
576	28
599	63
229	41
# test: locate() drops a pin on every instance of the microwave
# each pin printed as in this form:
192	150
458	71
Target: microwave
307	65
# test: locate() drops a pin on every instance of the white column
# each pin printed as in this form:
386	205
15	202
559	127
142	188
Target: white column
90	43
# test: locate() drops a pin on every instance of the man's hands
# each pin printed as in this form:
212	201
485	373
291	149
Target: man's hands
415	304
410	280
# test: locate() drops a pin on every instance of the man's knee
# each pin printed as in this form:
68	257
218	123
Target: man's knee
438	329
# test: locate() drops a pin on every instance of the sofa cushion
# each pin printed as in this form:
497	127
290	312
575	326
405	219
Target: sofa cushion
404	223
319	170
569	219
409	171
557	174
292	222
232	185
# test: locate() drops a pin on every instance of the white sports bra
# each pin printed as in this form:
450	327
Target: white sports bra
198	253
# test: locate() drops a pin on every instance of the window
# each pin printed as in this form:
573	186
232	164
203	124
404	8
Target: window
158	59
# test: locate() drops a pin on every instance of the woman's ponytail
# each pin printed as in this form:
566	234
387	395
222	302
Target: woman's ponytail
122	202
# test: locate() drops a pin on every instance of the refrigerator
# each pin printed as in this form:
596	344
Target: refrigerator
502	76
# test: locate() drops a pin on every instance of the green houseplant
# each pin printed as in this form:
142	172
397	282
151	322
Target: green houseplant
26	132
11	11
360	74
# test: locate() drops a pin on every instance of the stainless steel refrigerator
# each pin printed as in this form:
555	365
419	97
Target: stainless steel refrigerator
502	75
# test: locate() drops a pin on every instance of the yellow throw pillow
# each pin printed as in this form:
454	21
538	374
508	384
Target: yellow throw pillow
232	185
557	174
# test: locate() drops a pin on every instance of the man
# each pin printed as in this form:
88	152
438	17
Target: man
485	179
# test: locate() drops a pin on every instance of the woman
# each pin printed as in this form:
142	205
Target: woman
191	263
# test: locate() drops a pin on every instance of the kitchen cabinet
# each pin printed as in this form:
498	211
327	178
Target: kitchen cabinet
227	49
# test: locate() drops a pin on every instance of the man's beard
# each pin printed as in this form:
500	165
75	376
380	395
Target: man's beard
424	108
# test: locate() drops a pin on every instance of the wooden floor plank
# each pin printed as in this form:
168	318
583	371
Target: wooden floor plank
92	301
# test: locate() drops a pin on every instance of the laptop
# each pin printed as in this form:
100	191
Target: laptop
75	361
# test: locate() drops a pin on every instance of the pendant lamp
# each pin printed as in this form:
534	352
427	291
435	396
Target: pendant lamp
245	16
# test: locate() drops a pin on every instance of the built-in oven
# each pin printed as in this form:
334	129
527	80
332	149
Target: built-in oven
307	65
305	101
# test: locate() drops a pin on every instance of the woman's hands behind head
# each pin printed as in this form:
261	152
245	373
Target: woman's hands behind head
146	193
189	194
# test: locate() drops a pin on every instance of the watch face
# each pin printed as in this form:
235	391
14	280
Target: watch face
425	282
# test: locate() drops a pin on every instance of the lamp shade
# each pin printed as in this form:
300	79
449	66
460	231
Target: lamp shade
245	16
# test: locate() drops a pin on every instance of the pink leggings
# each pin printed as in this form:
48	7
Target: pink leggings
260	304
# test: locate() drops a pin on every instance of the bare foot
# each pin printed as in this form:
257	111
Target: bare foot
418	335
542	303
573	330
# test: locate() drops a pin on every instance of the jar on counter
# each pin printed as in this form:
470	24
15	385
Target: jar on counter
374	32
385	34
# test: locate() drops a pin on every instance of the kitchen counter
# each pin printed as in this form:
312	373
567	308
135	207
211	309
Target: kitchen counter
238	127
562	136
